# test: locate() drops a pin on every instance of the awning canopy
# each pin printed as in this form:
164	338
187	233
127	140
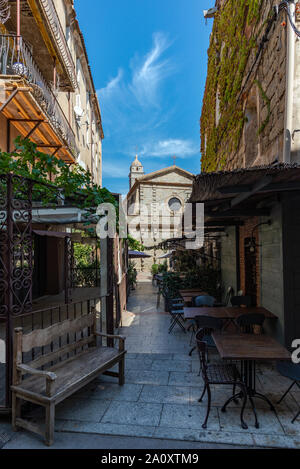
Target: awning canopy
232	196
52	234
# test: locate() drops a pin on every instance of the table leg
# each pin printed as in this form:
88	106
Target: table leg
249	378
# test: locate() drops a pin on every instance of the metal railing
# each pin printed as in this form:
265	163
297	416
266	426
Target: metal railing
59	35
16	59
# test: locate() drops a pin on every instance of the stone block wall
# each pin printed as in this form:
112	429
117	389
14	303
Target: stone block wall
263	101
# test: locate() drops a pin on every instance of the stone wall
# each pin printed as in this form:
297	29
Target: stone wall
262	102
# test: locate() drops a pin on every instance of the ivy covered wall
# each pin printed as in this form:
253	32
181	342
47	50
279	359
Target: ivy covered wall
242	118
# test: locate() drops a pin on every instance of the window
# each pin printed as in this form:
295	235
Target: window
175	204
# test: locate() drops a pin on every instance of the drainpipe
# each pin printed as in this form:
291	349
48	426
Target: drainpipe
18	24
290	70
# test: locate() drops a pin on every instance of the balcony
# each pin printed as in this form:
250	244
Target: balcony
41	27
57	34
32	106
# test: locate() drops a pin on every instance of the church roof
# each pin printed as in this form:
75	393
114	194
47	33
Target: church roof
161	172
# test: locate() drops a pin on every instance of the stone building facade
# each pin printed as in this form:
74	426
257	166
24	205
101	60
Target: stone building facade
43	57
155	204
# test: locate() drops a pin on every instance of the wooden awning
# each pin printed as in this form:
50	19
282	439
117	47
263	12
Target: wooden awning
232	196
23	111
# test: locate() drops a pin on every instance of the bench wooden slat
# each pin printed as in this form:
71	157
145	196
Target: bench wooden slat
44	337
53	356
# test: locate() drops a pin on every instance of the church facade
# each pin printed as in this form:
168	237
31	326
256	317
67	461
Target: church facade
155	204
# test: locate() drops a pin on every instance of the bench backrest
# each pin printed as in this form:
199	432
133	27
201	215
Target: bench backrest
81	331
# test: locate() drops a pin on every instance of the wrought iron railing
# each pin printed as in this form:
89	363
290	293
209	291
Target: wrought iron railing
59	35
16	59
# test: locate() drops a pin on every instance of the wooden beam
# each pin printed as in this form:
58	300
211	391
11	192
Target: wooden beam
256	188
9	99
247	212
234	189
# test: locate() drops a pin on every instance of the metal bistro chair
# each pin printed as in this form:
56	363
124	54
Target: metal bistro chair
223	374
199	302
208	325
174	307
247	322
241	301
292	371
228	296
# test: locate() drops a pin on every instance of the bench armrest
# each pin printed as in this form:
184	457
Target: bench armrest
50	377
119	337
32	371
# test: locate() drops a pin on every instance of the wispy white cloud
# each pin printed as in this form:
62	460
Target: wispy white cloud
111	86
151	71
163	148
143	88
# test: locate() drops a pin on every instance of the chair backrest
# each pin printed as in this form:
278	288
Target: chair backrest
248	321
229	295
202	350
241	301
204	301
207	322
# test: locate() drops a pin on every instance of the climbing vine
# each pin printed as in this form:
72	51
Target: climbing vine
268	103
72	183
231	44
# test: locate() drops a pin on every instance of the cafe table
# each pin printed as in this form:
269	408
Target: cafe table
227	313
189	295
249	349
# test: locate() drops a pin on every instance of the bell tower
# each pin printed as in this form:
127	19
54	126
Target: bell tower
136	171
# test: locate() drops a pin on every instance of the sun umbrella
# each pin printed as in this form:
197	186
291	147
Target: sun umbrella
137	255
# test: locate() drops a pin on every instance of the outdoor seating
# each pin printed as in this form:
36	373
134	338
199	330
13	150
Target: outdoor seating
249	323
176	312
292	371
229	295
204	301
241	301
76	365
222	374
207	325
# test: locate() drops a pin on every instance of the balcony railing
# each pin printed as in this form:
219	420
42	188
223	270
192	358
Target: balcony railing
16	59
56	29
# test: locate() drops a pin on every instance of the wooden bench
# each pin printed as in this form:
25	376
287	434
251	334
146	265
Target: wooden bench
65	374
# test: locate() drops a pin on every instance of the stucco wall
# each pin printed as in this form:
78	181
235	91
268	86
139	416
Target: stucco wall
228	259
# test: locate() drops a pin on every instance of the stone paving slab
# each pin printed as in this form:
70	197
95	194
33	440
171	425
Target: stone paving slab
165	394
129	413
186	416
109	429
112	391
84	410
184	379
171	365
147	377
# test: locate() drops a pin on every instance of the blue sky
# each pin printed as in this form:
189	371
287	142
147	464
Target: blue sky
148	59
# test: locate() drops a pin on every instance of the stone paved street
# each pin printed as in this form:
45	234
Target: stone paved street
160	397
